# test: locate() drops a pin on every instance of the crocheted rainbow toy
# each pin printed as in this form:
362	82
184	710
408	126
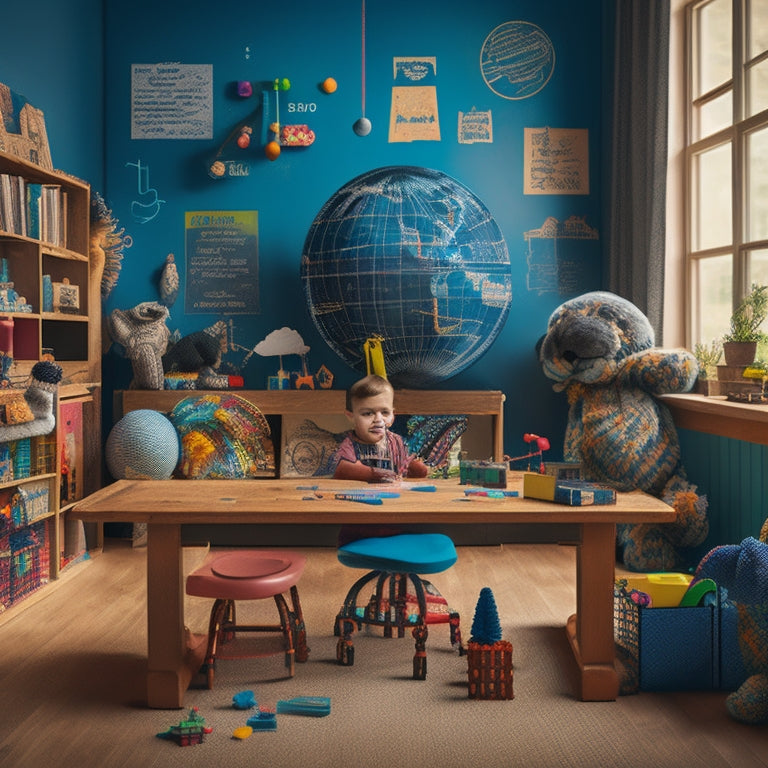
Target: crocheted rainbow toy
742	569
599	349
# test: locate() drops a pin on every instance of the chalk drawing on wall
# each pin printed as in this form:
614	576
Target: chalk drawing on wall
148	203
171	101
559	255
413	113
476	127
556	161
517	59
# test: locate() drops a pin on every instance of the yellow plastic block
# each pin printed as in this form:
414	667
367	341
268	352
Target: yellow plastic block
666	589
536	486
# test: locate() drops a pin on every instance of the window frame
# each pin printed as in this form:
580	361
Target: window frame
736	136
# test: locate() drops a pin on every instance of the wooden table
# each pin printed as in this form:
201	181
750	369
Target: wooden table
165	505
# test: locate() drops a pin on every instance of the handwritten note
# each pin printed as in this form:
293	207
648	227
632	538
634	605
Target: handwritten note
171	101
556	161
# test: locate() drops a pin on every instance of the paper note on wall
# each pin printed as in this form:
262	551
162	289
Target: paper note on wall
171	101
413	112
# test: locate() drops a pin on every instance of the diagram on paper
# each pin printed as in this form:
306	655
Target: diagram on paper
560	256
556	161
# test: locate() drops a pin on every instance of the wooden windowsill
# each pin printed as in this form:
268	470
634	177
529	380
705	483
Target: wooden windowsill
718	416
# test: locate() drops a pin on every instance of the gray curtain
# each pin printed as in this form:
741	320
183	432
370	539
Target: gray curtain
635	168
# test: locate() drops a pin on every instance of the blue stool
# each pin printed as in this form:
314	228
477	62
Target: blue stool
394	563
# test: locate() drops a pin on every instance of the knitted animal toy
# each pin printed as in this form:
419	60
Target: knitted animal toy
599	349
38	401
144	334
742	569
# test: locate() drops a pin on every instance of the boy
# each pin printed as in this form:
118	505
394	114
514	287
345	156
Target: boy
370	452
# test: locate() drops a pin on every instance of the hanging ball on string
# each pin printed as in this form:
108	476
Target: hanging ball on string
272	150
329	85
362	127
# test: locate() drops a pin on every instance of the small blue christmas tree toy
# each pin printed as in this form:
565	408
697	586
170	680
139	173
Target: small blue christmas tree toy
489	658
486	627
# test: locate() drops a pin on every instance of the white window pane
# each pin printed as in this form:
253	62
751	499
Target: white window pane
757	261
714	115
757	87
712	291
757	185
713	50
758	266
758	27
711	225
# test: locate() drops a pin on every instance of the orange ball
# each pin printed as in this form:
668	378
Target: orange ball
272	150
329	85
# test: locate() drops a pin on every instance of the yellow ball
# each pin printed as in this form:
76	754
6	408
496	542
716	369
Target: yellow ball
329	85
272	150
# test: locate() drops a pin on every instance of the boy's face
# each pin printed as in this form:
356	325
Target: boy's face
371	416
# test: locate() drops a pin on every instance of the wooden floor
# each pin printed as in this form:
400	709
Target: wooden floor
72	666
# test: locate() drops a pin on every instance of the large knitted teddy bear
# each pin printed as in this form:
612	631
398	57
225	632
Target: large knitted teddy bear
599	349
742	569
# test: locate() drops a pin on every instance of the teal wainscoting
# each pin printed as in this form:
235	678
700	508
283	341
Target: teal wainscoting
734	476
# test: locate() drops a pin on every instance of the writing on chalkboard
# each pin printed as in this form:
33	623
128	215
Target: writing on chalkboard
222	264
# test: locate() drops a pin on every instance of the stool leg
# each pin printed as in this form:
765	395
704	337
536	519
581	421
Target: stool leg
215	622
420	631
345	649
285	626
454	623
298	627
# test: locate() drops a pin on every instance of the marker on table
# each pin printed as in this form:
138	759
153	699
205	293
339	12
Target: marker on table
492	493
361	497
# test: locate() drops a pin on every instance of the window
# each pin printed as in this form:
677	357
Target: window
726	159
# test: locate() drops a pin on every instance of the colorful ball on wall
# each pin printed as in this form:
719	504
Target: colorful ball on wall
143	445
413	256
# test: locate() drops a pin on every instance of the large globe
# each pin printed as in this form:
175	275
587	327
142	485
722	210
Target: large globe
413	256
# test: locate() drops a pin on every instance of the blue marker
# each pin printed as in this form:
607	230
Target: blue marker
363	499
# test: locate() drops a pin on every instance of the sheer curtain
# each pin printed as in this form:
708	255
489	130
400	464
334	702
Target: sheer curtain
635	161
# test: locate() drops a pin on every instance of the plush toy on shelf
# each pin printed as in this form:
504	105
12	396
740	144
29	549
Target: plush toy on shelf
600	350
30	412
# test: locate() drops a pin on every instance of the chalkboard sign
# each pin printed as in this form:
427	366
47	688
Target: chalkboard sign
222	264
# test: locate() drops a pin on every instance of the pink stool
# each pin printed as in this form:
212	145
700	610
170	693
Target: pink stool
251	575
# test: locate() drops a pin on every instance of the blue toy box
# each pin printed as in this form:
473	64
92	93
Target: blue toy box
677	648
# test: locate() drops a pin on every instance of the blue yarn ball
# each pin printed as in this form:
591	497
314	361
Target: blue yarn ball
143	445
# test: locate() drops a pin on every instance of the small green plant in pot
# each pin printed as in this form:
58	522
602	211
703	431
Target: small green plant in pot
708	356
740	343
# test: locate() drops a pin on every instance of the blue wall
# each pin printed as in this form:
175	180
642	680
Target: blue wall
59	67
260	43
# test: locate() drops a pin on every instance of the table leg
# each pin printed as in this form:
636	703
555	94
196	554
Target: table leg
590	631
170	661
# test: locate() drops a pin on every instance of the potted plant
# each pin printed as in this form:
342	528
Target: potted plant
707	356
740	344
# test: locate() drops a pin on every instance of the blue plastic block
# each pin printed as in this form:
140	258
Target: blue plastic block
313	706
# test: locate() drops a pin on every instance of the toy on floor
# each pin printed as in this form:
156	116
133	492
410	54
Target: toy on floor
742	569
189	731
244	700
489	658
599	349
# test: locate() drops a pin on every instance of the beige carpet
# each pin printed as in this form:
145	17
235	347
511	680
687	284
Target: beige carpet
71	676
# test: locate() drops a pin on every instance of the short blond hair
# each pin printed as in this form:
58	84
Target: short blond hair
369	386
